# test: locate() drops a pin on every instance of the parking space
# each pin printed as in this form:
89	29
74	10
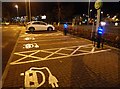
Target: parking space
54	60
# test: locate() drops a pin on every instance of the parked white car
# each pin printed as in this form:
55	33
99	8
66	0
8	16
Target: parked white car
39	25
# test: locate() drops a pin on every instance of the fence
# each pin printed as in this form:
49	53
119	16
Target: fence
112	39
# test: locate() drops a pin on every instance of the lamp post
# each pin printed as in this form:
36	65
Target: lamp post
88	11
29	10
26	7
101	15
16	6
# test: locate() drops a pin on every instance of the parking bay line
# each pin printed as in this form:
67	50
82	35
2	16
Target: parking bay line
59	57
52	53
48	40
36	51
43	35
44	44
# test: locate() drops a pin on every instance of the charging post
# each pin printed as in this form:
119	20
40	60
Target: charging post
98	5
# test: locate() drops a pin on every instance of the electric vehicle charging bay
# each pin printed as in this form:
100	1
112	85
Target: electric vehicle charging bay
65	66
48	70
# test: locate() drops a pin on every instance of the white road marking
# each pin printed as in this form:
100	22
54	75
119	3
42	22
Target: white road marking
75	50
25	56
28	46
5	27
31	76
55	53
29	38
70	42
19	27
52	34
12	27
51	53
21	74
84	51
93	49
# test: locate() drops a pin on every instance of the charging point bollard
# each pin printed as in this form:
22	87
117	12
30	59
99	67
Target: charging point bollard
65	28
99	36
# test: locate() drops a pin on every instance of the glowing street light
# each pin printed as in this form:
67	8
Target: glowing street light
16	6
101	12
90	10
90	13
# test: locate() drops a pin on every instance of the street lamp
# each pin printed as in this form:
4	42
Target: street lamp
29	10
101	14
88	10
16	6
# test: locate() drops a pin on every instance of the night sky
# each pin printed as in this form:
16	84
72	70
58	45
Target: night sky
74	8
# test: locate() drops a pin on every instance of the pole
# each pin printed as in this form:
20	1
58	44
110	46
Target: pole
26	6
59	13
88	11
17	13
29	11
98	19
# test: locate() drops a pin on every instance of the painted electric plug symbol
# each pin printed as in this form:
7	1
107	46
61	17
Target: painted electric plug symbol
53	81
31	79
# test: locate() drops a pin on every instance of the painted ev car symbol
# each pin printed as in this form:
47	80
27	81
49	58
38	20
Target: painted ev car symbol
31	78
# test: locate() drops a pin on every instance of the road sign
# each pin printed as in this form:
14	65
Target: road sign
98	4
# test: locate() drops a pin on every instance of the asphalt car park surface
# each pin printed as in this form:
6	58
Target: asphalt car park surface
50	59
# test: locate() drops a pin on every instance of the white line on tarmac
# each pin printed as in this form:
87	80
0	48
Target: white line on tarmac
69	47
74	42
36	51
62	55
42	40
18	27
83	51
93	49
12	27
52	34
26	56
14	63
5	27
75	50
52	54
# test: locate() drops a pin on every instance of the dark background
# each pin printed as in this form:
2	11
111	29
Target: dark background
68	9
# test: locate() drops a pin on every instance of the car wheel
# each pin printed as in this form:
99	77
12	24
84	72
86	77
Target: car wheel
49	29
31	29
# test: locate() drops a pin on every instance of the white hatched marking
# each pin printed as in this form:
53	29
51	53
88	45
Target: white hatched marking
52	52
